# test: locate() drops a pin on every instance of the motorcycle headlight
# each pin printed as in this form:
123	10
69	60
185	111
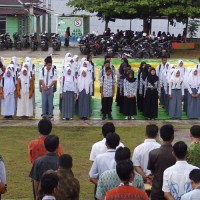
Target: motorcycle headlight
79	39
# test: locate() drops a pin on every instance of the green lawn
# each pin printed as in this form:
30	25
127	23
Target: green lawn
76	141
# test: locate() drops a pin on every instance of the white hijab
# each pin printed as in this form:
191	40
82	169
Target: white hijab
11	67
76	63
181	69
29	60
175	79
84	82
68	55
186	76
9	86
29	67
169	75
3	61
193	80
25	81
69	80
82	60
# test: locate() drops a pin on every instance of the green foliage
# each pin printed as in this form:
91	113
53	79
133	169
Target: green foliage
193	27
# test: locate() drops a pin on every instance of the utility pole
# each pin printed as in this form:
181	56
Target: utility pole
44	18
49	19
30	17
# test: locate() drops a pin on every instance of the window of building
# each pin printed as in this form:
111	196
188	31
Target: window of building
2	24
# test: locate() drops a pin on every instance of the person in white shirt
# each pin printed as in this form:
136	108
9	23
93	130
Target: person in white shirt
48	81
3	181
176	95
141	153
159	71
176	180
195	182
100	146
49	186
106	160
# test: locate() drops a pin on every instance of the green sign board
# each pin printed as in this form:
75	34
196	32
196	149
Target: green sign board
75	24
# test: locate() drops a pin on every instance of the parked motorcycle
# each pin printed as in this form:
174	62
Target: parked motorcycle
17	41
8	40
56	42
44	42
3	44
34	42
25	41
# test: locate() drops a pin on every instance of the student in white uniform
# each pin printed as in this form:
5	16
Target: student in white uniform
159	71
181	68
25	88
176	95
7	94
48	79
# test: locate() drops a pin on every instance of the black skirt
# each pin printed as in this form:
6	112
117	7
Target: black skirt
118	97
151	104
140	100
129	106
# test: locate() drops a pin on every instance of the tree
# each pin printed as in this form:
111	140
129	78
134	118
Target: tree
193	27
147	10
105	9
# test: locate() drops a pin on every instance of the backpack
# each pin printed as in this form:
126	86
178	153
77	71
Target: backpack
3	81
53	69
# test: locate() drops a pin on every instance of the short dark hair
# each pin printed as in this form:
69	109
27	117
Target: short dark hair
51	143
108	128
107	56
195	131
65	161
44	126
124	169
108	68
107	61
164	57
48	183
167	132
180	149
88	57
48	59
195	175
112	139
152	130
122	153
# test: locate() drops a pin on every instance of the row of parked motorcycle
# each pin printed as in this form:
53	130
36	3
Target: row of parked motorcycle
125	46
31	41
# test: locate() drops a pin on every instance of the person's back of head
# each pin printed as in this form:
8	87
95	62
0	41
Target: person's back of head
195	176
49	184
51	143
44	127
122	153
195	131
112	140
125	169
65	161
151	131
180	150
167	133
108	128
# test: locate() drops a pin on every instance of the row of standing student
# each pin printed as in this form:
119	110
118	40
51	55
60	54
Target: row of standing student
17	88
77	81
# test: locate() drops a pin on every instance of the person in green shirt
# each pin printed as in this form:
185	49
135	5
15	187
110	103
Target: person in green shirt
194	147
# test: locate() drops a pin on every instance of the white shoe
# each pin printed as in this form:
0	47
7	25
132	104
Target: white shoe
63	118
52	119
126	117
132	117
70	118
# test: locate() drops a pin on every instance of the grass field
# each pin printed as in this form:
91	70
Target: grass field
76	141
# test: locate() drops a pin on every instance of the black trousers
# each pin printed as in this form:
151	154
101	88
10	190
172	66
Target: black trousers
107	105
